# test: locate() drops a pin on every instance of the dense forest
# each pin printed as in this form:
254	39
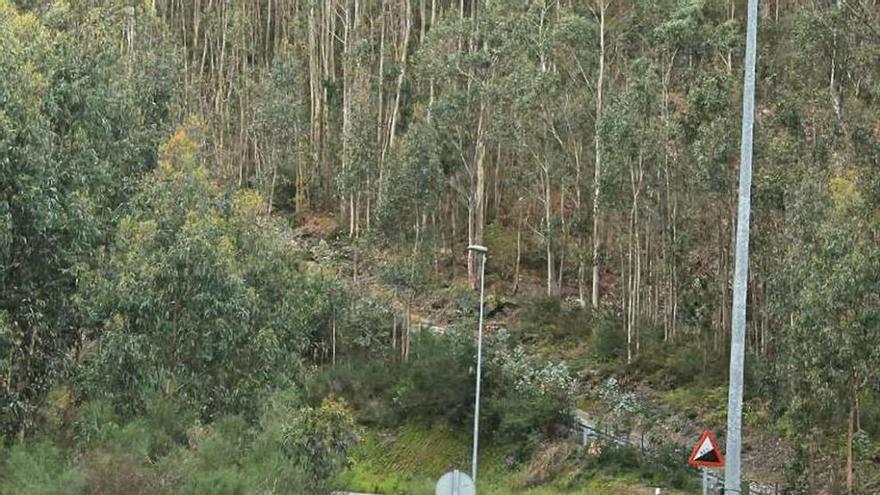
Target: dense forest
225	226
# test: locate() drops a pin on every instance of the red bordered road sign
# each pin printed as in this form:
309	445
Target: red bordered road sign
706	453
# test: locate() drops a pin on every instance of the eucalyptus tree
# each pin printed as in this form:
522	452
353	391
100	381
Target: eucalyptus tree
601	11
318	440
81	114
527	88
460	106
198	296
279	131
832	345
632	130
828	342
576	61
414	182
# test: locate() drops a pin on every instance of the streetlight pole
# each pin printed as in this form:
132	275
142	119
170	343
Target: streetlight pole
483	251
733	475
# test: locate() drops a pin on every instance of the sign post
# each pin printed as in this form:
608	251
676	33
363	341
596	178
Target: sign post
705	455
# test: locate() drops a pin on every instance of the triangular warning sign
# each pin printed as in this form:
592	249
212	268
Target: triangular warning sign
706	453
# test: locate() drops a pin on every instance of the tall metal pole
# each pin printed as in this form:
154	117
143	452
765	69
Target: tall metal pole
733	477
483	251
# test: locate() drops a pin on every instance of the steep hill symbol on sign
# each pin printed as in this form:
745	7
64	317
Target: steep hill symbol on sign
706	453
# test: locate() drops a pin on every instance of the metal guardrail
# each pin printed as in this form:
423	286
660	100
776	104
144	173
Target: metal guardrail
589	433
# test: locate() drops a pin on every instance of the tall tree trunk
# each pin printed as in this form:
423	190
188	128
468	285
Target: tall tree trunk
562	241
380	113
333	338
548	209
519	226
349	29
850	431
315	92
404	50
477	222
329	75
597	174
580	237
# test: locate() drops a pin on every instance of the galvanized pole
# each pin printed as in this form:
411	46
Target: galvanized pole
733	477
483	251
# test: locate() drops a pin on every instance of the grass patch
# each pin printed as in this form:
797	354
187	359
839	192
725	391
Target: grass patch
409	461
695	402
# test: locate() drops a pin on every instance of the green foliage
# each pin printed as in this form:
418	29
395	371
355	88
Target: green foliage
318	440
608	338
365	324
409	276
438	380
526	402
407	461
280	121
231	456
663	468
501	242
523	402
164	426
686	364
198	296
39	469
831	349
412	184
367	383
109	472
134	301
545	318
870	403
697	401
79	124
289	449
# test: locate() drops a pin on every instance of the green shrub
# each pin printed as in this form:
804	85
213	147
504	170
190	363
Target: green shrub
317	441
367	383
198	293
218	481
546	318
871	414
173	418
437	381
502	244
524	417
163	427
619	459
112	473
227	442
664	467
39	469
687	361
649	362
525	403
95	423
608	339
465	300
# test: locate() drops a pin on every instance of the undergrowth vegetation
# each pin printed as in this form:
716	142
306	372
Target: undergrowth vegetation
290	448
523	401
407	462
